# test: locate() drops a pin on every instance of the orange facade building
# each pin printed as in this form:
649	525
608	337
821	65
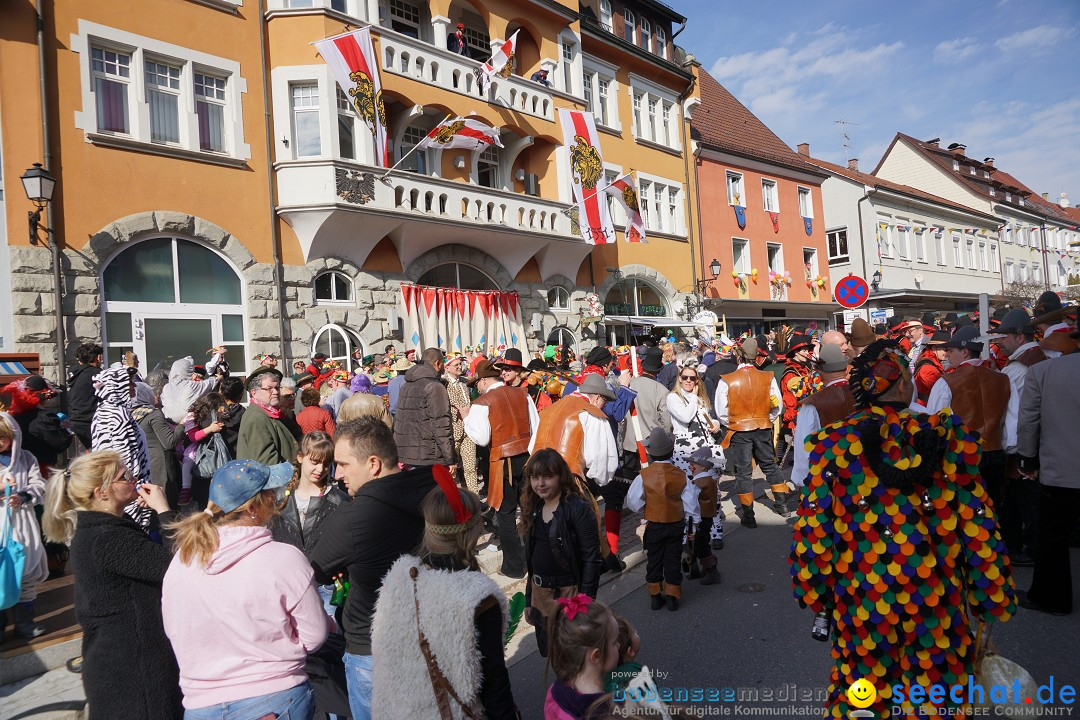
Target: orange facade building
214	187
761	219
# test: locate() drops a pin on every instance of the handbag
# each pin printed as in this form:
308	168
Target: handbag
212	454
12	560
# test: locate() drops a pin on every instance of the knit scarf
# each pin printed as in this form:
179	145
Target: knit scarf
274	412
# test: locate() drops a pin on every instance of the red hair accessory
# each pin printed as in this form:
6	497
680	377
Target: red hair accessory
573	606
453	494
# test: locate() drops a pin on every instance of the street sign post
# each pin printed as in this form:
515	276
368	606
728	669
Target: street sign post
880	315
851	292
849	318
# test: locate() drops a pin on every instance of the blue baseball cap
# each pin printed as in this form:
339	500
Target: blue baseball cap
238	481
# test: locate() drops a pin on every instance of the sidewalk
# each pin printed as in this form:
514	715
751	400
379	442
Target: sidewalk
57	694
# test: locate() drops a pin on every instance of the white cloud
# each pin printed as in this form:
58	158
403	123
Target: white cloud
1036	38
950	51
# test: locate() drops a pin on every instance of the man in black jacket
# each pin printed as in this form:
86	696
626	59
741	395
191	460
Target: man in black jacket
423	432
81	398
364	537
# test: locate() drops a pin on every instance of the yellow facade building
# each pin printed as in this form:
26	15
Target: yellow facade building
214	187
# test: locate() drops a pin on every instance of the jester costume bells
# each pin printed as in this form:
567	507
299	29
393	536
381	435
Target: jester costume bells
896	541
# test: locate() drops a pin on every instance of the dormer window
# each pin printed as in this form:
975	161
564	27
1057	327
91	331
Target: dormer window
986	174
1021	202
993	192
971	170
956	165
1008	197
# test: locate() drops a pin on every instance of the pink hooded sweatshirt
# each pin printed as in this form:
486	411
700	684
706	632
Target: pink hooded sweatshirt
242	626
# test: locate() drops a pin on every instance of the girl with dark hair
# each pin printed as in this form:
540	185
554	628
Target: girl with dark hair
202	421
310	498
562	541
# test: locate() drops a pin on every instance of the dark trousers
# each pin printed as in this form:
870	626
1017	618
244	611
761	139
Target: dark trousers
663	549
1022	494
992	469
1051	586
702	540
513	552
783	447
614	493
753	445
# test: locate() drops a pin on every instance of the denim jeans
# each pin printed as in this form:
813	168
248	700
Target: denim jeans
358	674
296	703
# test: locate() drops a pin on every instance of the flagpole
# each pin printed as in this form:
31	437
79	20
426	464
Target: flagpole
411	151
341	35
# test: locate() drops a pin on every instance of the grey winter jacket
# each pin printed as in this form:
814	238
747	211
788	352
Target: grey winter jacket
422	428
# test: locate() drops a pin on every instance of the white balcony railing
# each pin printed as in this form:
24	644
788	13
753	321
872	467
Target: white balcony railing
423	62
325	183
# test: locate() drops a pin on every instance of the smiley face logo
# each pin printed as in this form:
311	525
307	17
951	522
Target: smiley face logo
861	693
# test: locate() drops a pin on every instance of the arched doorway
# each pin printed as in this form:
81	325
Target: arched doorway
167	297
340	344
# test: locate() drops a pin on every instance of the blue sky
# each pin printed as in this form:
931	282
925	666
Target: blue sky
1000	76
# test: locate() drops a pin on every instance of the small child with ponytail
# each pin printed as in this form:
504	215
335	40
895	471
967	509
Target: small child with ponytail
584	648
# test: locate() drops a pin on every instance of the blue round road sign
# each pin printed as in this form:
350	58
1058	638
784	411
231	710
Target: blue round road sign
851	292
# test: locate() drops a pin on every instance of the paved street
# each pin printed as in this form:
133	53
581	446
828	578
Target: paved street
749	634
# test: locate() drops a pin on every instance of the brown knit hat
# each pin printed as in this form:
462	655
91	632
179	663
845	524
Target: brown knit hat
861	334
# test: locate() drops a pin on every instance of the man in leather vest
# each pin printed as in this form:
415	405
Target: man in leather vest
747	402
578	429
1056	322
504	418
662	490
1015	337
832	403
930	365
982	398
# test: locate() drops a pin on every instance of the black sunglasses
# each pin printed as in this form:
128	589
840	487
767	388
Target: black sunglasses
689	377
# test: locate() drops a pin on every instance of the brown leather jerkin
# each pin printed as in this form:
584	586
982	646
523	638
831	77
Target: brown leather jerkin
560	429
833	403
664	484
980	396
508	415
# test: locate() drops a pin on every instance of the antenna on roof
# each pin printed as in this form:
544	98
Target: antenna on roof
847	138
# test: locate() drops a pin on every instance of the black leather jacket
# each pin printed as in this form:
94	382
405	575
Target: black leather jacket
575	543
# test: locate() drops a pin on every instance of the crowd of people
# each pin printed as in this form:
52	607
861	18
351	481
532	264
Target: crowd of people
276	546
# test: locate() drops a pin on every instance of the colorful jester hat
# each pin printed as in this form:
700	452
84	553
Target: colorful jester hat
876	370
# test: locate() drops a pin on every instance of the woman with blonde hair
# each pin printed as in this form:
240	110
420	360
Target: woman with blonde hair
129	671
691	417
456	661
240	609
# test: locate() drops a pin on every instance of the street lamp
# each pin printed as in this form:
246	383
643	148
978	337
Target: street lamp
875	282
714	268
38	185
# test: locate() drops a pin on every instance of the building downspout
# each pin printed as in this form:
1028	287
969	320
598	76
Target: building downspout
687	155
862	243
279	268
54	243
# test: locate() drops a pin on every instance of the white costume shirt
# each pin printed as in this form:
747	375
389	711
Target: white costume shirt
598	445
478	428
1017	373
941	397
635	496
807	423
720	404
1057	327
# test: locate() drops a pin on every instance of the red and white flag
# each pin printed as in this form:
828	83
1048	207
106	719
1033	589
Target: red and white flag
460	133
586	172
355	65
625	193
499	64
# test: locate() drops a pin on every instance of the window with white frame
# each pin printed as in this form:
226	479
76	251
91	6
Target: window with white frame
568	65
163	99
993	192
1008	235
333	287
558	298
587	93
971	170
487	167
661	42
478	40
769	198
601	111
628	25
920	245
1008	197
605	16
346	127
1010	271
210	111
665	125
1022	272
958	252
837	243
1036	272
339	344
650	130
956	165
645	202
660	202
971	254
673	209
809	258
305	111
658	205
902	249
645	34
776	257
939	241
740	255
885	242
983	258
735	192
636	119
405	18
615	210
110	71
806	203
1021	201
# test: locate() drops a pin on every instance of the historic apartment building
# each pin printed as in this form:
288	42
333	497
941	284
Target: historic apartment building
214	187
762	221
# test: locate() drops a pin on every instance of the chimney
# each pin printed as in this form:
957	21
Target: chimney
988	161
1046	197
1064	200
804	149
933	142
958	148
853	164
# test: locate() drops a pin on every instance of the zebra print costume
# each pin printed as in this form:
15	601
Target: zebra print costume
113	428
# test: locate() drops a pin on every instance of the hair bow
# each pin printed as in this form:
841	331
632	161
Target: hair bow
573	606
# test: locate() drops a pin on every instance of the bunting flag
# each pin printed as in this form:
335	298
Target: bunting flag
353	62
740	216
582	146
775	217
625	193
460	133
808	225
451	319
500	62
